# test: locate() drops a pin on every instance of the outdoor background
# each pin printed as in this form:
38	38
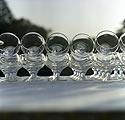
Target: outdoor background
71	16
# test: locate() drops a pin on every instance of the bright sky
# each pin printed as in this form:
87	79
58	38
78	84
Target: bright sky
72	16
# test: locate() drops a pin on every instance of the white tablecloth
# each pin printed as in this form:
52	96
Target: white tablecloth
62	96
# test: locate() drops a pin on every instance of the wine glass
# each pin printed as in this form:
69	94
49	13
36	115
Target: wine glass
107	44
57	46
33	59
82	47
9	59
96	71
118	73
121	57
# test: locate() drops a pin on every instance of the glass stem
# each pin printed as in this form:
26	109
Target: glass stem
56	74
105	75
6	75
95	72
33	75
115	72
80	75
10	77
121	74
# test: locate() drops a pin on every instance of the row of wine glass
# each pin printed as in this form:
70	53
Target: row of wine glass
57	58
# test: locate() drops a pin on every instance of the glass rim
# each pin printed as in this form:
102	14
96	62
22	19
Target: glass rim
102	33
121	39
63	36
18	41
29	33
12	34
84	34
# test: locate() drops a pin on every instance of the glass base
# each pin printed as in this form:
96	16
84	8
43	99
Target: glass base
61	78
11	79
100	76
57	78
118	77
33	79
78	77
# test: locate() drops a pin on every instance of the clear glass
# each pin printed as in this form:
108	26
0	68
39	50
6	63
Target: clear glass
33	59
96	71
107	44
118	72
57	46
82	47
121	57
9	59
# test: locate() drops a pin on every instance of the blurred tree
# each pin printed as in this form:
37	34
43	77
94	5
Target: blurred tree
120	31
23	26
8	23
5	14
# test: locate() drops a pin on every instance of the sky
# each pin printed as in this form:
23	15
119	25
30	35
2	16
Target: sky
71	16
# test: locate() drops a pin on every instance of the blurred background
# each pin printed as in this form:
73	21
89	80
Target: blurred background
70	16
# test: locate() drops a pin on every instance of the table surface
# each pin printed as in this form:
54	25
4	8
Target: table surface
62	96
